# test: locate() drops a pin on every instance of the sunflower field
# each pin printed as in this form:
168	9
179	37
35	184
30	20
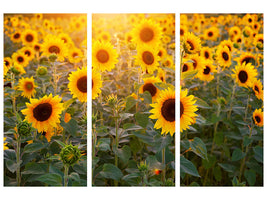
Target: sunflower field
45	100
221	99
133	106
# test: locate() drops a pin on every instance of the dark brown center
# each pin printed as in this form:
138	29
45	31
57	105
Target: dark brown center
243	76
16	36
258	119
225	56
256	88
148	57
207	55
82	84
168	110
207	70
28	53
20	59
29	86
102	56
210	34
191	45
185	68
146	34
54	49
42	112
150	88
29	38
181	109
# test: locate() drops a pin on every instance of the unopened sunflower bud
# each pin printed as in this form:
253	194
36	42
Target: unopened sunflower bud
53	57
143	167
24	129
236	45
112	100
70	155
259	46
41	71
245	33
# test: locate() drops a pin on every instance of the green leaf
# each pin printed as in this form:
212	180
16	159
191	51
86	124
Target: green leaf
35	168
217	173
51	179
235	182
258	153
75	177
124	153
110	171
219	138
61	143
188	75
227	167
131	127
130	102
10	160
132	179
188	167
71	127
147	97
208	163
201	103
103	144
95	160
153	163
247	141
161	142
142	119
198	147
33	147
238	155
250	175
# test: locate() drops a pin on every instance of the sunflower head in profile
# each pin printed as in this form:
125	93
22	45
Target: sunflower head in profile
258	41
207	73
96	83
7	64
183	30
149	85
78	84
197	61
244	74
104	56
43	113
54	45
161	75
227	43
246	57
187	110
27	86
164	111
147	57
191	43
29	37
258	117
147	32
224	57
257	88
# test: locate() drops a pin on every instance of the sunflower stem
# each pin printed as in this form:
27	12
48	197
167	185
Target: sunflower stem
54	78
116	143
18	161
246	112
66	171
164	169
231	102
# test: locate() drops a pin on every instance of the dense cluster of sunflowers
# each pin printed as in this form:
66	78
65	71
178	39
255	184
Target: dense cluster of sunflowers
222	70
45	77
132	71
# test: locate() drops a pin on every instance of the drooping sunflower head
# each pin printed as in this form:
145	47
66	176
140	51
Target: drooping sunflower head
191	43
244	74
257	88
147	58
78	84
29	37
104	56
164	111
27	86
187	110
54	45
149	85
147	32
258	117
96	83
224	57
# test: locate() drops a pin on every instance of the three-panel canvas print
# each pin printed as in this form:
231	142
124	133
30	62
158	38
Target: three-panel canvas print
138	65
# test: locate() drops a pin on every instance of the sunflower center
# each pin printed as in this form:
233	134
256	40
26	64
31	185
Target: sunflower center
243	76
181	109
185	68
7	63
249	20
160	53
261	40
150	88
102	56
28	53
191	45
82	84
207	55
16	36
258	119
168	110
256	88
148	57
20	59
194	63
210	34
42	112
74	55
29	86
92	83
207	70
37	48
54	49
29	38
225	56
181	32
239	40
146	34
248	60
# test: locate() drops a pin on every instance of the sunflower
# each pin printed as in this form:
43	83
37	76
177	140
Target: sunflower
187	66
244	74
104	56
104	37
75	55
53	44
187	110
234	31
19	58
246	58
206	74
29	37
162	52
78	84
29	52
211	33
128	37
247	32
224	56
183	30
147	32
27	86
227	43
7	64
37	47
16	37
147	57
5	144
66	39
168	62
258	117
206	52
191	43
257	88
96	83
43	113
161	75
258	41
164	111
149	85
197	61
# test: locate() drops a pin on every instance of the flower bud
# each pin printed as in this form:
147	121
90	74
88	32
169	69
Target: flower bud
24	129
41	71
70	155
